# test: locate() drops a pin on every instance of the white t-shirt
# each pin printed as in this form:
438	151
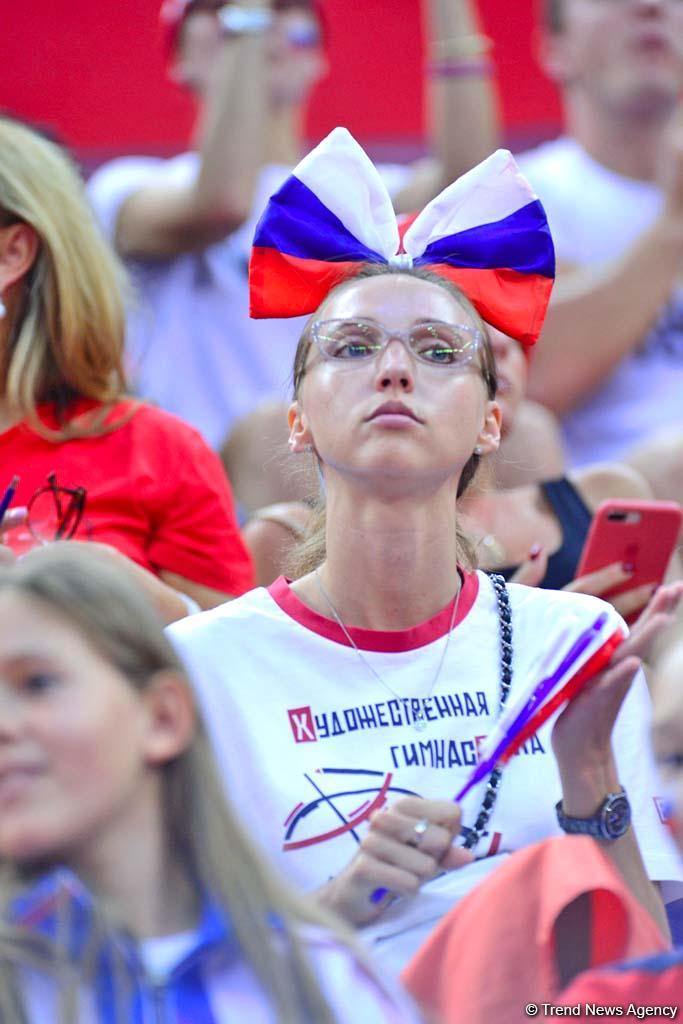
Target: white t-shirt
191	346
310	743
595	215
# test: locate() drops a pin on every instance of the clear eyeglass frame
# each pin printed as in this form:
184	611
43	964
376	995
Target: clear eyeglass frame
434	343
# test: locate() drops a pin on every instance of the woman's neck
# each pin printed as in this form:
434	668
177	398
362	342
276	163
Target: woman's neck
391	563
626	142
133	870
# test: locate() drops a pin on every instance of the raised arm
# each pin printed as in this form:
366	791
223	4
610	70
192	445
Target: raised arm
164	219
598	315
582	744
463	111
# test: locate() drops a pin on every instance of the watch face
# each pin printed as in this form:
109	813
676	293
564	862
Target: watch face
616	816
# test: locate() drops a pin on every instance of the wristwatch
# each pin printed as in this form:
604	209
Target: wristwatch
611	820
244	21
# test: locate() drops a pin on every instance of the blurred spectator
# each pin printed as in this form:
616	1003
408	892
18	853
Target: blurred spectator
259	463
185	225
191	346
94	464
128	888
611	361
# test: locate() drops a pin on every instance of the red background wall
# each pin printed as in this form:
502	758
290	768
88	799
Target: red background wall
93	72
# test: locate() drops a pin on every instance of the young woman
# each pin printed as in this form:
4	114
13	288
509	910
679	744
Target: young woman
127	891
372	678
92	463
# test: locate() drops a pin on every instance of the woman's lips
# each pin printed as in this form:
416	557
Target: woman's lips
389	412
15	781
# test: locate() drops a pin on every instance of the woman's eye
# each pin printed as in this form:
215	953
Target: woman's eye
672	762
353	348
439	353
39	682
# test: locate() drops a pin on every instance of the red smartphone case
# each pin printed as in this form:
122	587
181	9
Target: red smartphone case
642	534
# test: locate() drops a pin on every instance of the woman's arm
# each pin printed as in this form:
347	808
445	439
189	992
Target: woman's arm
464	121
206	597
162	220
599	314
583	747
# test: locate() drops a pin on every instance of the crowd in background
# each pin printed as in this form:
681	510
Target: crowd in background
290	515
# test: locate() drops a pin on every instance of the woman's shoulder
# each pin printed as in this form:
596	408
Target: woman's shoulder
532	607
166	439
144	415
229	618
605	480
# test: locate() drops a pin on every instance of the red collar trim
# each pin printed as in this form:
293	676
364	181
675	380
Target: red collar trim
390	641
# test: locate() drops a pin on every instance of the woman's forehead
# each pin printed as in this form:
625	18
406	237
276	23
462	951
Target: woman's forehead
396	300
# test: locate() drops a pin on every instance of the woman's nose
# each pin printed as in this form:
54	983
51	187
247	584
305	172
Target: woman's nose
395	367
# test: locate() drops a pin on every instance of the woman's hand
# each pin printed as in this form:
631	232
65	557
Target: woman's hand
406	845
599	583
582	736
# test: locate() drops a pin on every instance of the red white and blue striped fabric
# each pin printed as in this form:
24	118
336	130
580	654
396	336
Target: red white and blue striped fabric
487	232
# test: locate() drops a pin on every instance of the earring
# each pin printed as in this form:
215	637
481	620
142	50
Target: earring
3	309
478	449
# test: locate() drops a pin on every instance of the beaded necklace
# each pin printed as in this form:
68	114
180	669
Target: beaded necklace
505	634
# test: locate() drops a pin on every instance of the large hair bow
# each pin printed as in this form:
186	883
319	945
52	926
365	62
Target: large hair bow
487	232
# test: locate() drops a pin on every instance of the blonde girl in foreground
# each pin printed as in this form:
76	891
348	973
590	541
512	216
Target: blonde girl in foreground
127	887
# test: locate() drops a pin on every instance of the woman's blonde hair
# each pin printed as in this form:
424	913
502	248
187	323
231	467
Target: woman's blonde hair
309	554
267	918
67	337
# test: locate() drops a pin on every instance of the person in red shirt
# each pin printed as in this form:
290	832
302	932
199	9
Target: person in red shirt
94	464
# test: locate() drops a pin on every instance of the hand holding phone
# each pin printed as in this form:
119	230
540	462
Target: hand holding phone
628	550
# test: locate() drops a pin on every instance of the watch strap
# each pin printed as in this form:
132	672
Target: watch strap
599	824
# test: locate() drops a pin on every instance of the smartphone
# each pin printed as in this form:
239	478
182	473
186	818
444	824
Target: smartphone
643	534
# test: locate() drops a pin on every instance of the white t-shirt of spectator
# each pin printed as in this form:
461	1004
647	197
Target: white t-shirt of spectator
191	346
309	743
594	216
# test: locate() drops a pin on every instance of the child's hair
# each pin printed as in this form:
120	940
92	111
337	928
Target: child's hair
107	609
310	553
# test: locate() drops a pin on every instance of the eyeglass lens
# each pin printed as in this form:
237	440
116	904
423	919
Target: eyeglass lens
436	343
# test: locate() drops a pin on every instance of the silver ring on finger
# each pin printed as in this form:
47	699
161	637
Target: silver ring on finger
418	832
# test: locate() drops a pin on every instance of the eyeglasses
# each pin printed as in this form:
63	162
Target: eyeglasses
54	512
447	346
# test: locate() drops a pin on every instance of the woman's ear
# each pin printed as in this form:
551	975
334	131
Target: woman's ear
489	435
172	717
300	438
19	245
